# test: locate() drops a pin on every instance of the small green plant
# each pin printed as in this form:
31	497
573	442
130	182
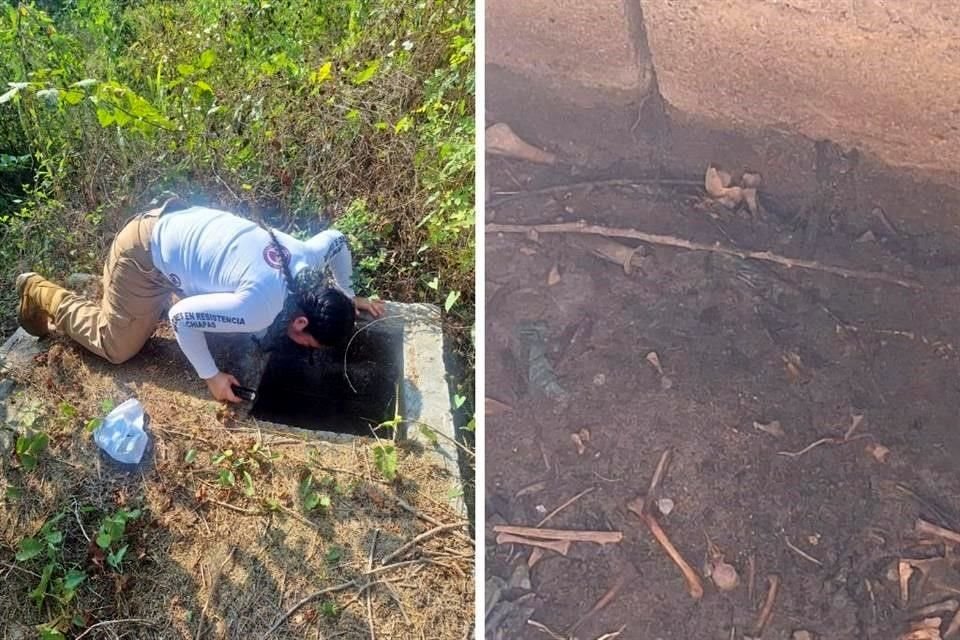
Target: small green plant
329	610
385	459
56	581
106	406
233	466
333	555
311	499
111	533
29	447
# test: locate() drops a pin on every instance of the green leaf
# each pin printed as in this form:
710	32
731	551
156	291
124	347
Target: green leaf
322	73
247	484
67	410
185	69
73	97
105	117
107	405
458	400
367	73
53	538
203	86
115	558
191	456
207	58
40	592
434	284
104	539
73	579
471	425
93	424
427	432
13	493
325	501
85	83
226	478
29	548
451	300
403	125
49	633
311	501
385	459
333	555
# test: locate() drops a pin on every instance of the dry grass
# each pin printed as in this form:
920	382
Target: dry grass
202	554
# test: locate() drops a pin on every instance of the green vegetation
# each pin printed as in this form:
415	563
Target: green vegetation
358	110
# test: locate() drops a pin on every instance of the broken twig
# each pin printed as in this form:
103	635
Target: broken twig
566	504
420	538
800	552
682	243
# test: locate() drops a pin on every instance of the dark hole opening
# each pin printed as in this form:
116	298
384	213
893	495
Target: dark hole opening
317	396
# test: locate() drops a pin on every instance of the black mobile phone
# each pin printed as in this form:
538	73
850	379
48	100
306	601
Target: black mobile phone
244	393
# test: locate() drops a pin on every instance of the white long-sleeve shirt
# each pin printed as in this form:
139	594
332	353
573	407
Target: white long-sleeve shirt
230	274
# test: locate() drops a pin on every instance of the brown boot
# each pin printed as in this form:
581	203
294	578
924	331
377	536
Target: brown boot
39	300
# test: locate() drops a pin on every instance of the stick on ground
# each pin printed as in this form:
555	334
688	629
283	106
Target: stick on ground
420	538
682	243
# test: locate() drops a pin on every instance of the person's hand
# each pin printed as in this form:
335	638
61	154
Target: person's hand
373	307
219	386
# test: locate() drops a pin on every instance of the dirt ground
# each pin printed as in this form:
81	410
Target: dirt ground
207	558
742	344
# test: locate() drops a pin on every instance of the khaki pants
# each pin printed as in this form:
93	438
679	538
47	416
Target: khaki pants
135	296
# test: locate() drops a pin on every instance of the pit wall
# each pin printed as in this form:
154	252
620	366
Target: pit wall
880	76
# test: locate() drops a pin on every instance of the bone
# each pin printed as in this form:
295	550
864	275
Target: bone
573	535
502	141
767	611
924	528
694	584
560	546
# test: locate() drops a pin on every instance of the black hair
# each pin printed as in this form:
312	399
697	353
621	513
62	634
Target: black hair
330	313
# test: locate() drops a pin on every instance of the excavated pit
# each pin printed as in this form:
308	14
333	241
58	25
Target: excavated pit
324	391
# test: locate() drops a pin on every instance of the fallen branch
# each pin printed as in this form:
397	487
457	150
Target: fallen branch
682	243
599	537
420	538
560	546
339	587
924	528
694	584
767	611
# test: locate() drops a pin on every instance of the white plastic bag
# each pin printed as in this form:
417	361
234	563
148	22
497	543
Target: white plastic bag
121	435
